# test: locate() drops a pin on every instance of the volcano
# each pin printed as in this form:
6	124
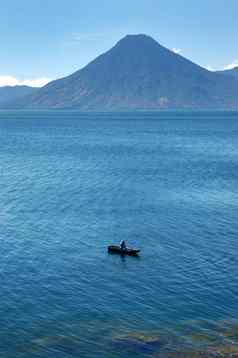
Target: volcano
137	74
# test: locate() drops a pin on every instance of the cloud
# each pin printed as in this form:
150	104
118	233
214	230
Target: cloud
210	68
13	81
231	65
227	67
176	50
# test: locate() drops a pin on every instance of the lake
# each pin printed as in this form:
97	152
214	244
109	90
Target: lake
73	183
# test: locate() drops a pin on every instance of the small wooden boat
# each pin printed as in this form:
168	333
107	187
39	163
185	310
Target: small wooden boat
117	250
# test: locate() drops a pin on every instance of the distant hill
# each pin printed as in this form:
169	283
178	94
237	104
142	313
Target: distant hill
11	93
233	72
137	74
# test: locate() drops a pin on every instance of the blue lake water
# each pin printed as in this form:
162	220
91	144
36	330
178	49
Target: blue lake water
73	183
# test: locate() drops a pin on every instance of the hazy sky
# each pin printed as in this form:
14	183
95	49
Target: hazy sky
47	39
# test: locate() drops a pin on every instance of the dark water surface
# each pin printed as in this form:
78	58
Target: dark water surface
70	184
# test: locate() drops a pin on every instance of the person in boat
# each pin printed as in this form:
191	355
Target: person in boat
123	245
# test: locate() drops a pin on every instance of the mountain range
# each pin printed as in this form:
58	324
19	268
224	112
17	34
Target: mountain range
12	93
233	72
136	74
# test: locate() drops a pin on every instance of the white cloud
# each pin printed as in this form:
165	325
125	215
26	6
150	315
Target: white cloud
13	81
210	68
176	50
231	65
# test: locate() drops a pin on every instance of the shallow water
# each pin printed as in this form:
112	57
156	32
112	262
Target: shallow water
73	183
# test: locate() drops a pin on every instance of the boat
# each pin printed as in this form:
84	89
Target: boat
117	250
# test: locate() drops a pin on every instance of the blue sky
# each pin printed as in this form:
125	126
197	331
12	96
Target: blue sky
48	39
